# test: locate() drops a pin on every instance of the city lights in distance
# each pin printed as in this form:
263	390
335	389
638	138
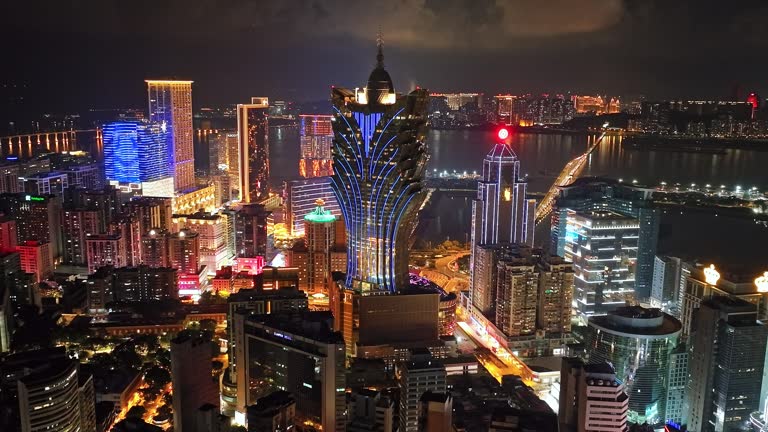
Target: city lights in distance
503	133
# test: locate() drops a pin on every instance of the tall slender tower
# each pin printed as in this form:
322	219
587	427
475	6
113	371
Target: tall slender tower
379	158
170	102
253	144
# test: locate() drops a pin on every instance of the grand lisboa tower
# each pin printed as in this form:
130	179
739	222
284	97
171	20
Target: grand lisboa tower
379	160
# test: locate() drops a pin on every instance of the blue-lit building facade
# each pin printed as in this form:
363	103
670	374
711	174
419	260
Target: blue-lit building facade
379	159
137	157
599	194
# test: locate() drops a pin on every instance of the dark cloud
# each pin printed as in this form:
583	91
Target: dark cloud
97	52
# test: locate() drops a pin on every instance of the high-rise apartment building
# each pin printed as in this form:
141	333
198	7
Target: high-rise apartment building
105	249
321	252
316	142
8	235
37	217
253	144
76	226
184	251
726	364
419	375
192	381
379	160
299	198
296	352
36	258
603	247
155	248
638	342
517	292
170	102
628	200
137	156
213	242
592	398
556	281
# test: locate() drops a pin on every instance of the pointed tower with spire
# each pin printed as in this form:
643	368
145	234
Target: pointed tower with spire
379	159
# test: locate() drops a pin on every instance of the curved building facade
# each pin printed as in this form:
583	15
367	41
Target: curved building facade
379	158
638	343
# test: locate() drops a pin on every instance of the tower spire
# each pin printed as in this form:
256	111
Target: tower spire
379	46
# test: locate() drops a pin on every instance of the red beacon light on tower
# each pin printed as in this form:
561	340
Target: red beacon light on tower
503	133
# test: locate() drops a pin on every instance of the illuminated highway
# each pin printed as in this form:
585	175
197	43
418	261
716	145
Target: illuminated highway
571	170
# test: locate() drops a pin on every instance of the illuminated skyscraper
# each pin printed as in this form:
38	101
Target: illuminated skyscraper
170	102
299	198
316	140
501	215
379	158
138	154
253	144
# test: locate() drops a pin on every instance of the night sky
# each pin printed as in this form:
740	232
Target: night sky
96	53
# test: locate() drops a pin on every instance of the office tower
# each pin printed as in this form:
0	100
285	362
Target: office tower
296	352
37	218
436	412
376	326
592	398
316	142
274	412
370	410
299	198
665	286
8	235
415	377
501	214
726	365
320	252
36	259
155	249
603	247
586	194
47	183
699	282
137	156
253	145
76	226
191	378
210	229
517	295
184	251
379	160
677	381
638	343
556	282
170	102
46	391
105	249
251	231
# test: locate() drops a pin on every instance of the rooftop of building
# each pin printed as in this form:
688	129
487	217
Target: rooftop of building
198	215
271	402
289	292
606	215
43	175
315	325
637	321
430	396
